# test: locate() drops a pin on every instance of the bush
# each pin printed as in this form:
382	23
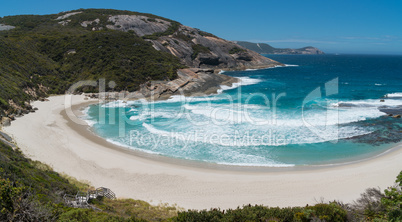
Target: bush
392	200
17	203
197	49
324	212
236	50
88	215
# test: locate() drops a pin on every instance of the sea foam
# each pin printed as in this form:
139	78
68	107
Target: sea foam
394	95
244	81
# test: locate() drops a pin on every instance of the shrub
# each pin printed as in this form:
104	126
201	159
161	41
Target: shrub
197	49
392	200
17	203
236	50
206	34
186	38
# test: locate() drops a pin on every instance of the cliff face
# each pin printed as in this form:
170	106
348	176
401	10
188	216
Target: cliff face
193	47
264	48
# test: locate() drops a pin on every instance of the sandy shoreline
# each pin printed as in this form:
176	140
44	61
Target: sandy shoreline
71	148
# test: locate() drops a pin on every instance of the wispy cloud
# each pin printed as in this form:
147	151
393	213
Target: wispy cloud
307	41
384	38
358	38
336	40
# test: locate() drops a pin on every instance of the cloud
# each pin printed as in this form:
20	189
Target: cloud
295	41
358	38
336	40
384	38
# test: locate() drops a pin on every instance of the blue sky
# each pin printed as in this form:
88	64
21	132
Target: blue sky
359	26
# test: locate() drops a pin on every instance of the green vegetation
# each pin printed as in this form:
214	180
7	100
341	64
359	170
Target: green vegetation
129	208
319	212
47	184
392	201
31	22
258	47
17	65
28	193
236	50
182	36
197	49
206	34
43	57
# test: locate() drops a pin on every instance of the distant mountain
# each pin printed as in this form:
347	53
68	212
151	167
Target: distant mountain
264	48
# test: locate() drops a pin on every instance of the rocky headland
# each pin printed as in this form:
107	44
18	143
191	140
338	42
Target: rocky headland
190	82
264	48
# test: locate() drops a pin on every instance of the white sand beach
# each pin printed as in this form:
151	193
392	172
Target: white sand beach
71	148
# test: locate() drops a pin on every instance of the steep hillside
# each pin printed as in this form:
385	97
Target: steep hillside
46	54
264	48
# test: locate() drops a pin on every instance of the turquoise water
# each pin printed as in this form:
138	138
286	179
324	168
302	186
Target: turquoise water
319	109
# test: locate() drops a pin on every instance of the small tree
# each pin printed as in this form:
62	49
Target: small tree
393	200
18	204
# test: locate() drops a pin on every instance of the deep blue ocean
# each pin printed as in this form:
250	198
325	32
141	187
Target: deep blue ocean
318	110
